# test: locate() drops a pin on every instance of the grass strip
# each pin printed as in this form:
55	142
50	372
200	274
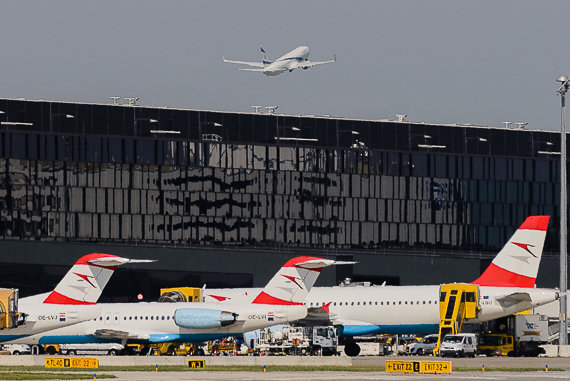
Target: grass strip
50	376
258	368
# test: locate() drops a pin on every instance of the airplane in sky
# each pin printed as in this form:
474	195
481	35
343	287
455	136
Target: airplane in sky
506	287
281	301
72	301
297	58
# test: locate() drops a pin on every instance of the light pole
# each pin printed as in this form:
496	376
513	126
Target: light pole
563	335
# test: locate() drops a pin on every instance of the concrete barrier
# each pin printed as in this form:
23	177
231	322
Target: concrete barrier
28	360
551	350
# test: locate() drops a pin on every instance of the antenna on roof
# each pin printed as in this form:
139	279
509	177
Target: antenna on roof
507	124
271	109
115	100
257	109
521	125
132	101
401	117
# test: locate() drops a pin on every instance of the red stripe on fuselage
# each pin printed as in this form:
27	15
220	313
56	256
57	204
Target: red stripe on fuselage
496	276
57	298
264	298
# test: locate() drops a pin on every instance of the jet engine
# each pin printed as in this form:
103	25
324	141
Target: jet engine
201	318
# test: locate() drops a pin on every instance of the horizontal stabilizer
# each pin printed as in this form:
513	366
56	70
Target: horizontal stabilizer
516	297
320	263
116	261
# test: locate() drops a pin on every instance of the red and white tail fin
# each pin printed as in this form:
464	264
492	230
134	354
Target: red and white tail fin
517	263
85	281
292	283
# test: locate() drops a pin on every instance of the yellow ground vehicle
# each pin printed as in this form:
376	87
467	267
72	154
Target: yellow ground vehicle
8	308
180	294
495	344
222	347
176	349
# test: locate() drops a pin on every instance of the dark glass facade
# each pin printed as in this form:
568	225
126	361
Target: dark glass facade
165	177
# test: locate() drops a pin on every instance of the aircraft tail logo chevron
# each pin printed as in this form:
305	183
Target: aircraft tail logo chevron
517	263
85	281
292	283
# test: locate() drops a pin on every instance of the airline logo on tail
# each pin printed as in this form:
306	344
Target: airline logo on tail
292	283
517	263
85	281
525	246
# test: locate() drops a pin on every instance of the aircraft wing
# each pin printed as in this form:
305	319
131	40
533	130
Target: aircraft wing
308	64
251	69
106	333
254	64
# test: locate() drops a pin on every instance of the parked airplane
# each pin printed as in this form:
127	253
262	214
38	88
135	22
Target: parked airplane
505	288
72	301
295	59
281	301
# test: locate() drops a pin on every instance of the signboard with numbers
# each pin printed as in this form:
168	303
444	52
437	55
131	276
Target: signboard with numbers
73	362
399	366
196	363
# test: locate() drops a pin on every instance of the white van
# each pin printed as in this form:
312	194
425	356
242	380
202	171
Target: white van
461	344
112	349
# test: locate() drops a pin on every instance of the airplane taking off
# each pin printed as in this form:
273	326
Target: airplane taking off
72	301
281	301
295	59
504	288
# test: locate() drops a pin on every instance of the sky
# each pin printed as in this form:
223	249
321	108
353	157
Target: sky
480	62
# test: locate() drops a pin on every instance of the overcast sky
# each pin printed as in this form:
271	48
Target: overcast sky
480	62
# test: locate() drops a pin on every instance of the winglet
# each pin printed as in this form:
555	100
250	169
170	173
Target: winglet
517	263
85	281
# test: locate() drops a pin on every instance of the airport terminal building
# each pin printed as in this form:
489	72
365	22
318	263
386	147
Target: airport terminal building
224	198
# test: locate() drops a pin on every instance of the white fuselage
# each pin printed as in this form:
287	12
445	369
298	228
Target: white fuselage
154	322
44	317
399	309
288	61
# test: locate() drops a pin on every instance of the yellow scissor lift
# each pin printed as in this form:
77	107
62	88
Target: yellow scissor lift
457	302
